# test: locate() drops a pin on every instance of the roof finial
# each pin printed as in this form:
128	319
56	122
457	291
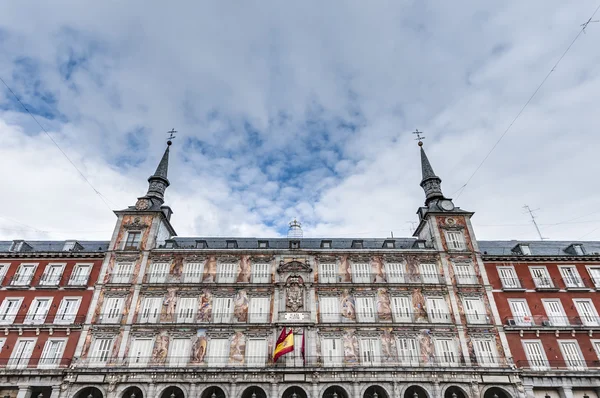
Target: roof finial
419	137
171	136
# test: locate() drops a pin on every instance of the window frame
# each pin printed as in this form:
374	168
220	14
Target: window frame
393	276
226	277
476	319
458	244
581	360
258	276
15	362
95	346
441	317
63	304
481	359
41	364
79	280
536	279
4	267
515	277
563	320
127	242
565	278
16	279
544	358
527	318
361	309
31	318
595	321
4	313
44	282
326	276
361	276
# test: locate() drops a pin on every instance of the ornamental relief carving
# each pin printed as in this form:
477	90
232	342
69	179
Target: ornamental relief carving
136	224
294	297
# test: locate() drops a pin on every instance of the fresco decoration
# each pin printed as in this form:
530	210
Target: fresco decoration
237	349
169	307
454	222
98	309
86	345
344	270
378	269
419	306
500	349
351	350
161	349
461	310
205	306
471	350
199	346
384	306
176	269
319	358
389	351
137	222
426	349
294	293
210	270
270	348
116	345
348	306
412	269
240	306
244	270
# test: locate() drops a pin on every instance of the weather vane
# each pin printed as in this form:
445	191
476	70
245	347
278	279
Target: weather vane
171	136
419	138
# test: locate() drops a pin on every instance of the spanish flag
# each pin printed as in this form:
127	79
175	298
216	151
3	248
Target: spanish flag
285	344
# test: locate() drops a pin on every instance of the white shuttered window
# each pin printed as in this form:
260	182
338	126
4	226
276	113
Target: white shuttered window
365	309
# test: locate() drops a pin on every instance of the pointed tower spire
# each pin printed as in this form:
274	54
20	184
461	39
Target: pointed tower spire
158	182
430	183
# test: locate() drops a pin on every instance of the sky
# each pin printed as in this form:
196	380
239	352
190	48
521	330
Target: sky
299	110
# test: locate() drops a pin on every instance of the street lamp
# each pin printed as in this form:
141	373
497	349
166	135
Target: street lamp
213	395
253	395
294	395
415	395
40	395
375	395
334	395
172	395
132	395
454	395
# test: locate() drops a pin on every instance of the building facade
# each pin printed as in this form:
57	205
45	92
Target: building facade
45	294
547	294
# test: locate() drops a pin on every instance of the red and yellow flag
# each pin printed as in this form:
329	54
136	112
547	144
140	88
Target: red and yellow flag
285	344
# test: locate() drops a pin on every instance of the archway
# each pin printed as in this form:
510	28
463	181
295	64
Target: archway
132	392
89	392
172	392
415	392
254	392
455	392
496	392
294	392
335	392
41	392
213	392
375	392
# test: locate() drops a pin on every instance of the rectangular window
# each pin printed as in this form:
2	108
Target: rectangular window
571	277
402	309
122	273
52	275
158	273
520	312
218	352
595	342
541	279
133	240
437	310
38	310
445	352
332	352
295	360
455	240
259	309
525	250
361	273
260	273
3	270
408	349
80	274
572	354
486	352
52	353
150	312
2	341
222	310
595	275
587	312
475	311
226	273
395	272
24	275
465	274
256	353
67	310
370	352
327	274
329	308
429	273
534	351
100	352
9	309
186	309
179	352
365	310
555	312
140	352
19	359
508	277
192	272
112	310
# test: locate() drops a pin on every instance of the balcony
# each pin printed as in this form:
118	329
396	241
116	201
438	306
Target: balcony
79	281
512	284
477	319
34	363
543	321
467	280
22	280
542	365
574	283
110	319
49	281
156	277
53	320
120	279
545	284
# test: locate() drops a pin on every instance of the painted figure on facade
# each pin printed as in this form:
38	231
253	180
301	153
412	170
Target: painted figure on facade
378	269
199	345
419	307
244	270
161	348
240	309
412	270
350	343
348	306
205	307
344	270
169	306
294	298
426	347
237	348
210	270
389	352
176	269
384	307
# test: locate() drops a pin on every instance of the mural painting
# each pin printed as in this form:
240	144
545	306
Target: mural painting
199	345
377	268
240	309
167	313
176	269
351	352
348	306
344	270
161	348
210	270
412	270
244	270
237	349
384	306
389	351
205	306
419	307
426	349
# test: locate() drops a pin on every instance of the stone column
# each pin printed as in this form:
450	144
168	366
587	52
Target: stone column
315	390
55	392
193	390
151	390
436	391
232	390
395	390
274	390
528	391
563	391
356	390
24	392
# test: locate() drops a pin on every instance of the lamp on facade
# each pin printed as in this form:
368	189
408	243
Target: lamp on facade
496	396
335	395
454	395
415	394
172	395
40	395
294	395
586	396
132	395
90	395
213	395
547	395
253	395
375	395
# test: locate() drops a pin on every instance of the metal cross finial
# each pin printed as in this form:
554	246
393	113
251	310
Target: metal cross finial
171	136
419	138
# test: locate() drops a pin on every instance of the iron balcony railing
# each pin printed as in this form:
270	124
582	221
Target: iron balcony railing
20	363
574	282
467	280
405	317
120	278
477	319
545	283
265	361
512	283
110	318
53	319
561	364
528	321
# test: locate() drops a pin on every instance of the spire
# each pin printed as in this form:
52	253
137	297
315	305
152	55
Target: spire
430	183
158	182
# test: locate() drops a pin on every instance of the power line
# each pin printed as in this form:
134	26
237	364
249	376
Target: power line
102	197
461	189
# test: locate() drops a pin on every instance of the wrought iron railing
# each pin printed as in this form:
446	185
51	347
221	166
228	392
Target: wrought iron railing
41	320
564	364
528	321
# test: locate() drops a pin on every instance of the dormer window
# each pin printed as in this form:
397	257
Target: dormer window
232	244
357	244
522	249
325	244
389	244
263	244
578	249
170	244
16	246
201	244
294	244
419	244
133	240
69	246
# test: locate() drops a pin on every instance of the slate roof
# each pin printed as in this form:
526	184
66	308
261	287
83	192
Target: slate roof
57	245
283	243
538	248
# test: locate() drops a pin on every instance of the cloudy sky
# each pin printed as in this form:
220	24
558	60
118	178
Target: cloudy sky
300	110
